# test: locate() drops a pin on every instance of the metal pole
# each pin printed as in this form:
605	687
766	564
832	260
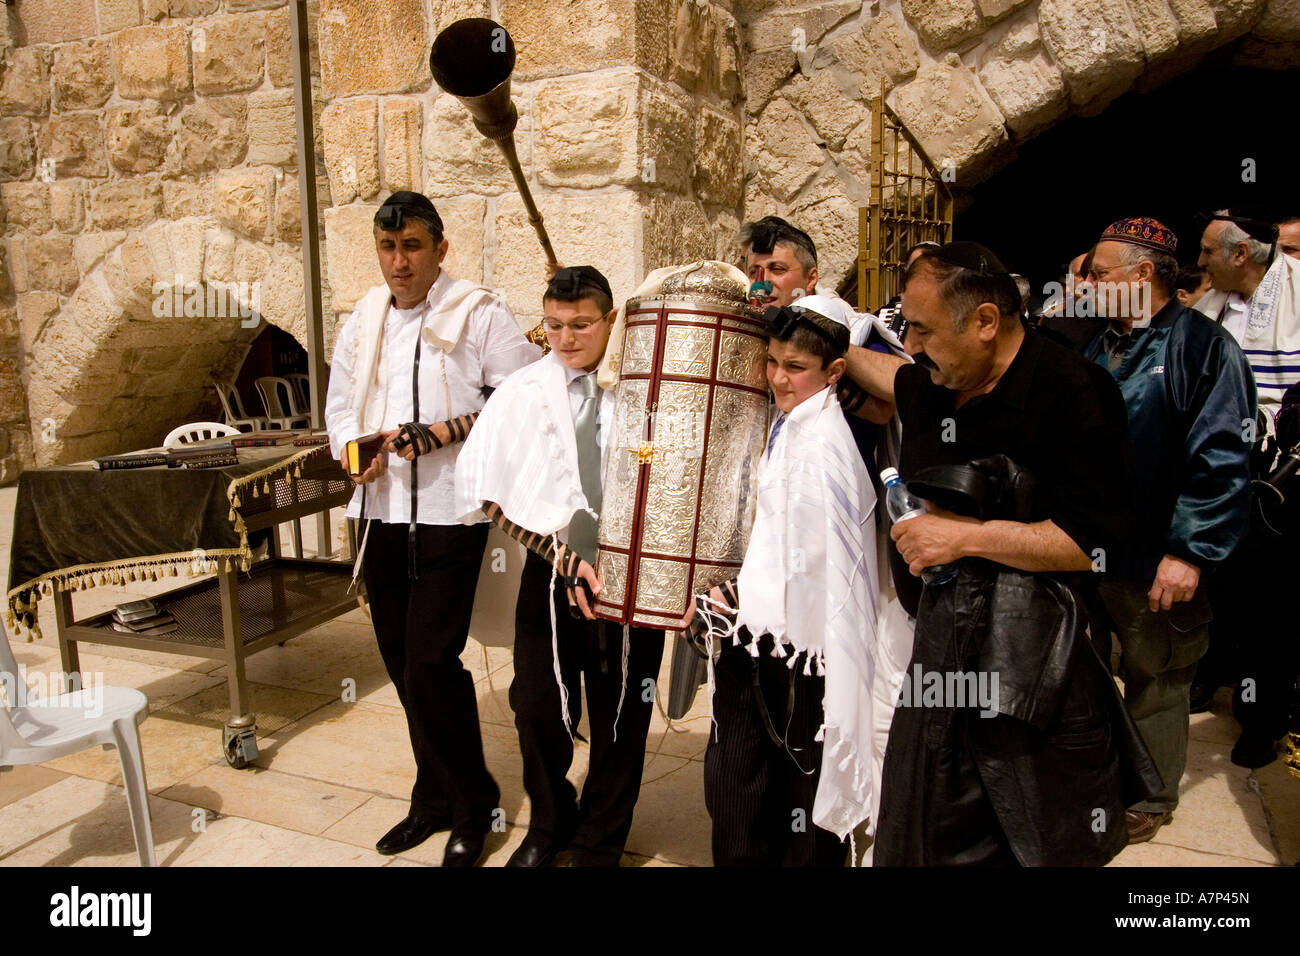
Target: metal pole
299	39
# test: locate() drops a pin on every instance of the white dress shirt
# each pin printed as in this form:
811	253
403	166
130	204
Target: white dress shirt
451	384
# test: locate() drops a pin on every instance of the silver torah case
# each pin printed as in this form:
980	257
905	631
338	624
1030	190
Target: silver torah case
680	480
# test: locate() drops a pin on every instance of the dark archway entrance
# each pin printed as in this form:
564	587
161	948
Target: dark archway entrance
1170	153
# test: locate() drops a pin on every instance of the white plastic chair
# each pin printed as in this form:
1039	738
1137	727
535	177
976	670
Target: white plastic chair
33	730
233	408
301	390
198	431
282	409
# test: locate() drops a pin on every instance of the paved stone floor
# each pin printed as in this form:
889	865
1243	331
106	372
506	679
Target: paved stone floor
333	775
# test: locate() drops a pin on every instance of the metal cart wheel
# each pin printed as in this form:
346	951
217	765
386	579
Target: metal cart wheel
239	742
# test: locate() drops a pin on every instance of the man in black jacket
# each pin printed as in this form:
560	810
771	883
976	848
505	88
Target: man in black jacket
1044	776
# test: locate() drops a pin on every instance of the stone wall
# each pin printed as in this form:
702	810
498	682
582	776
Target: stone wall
150	202
969	78
147	155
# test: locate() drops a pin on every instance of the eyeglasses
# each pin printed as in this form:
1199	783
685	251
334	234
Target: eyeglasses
577	327
1097	275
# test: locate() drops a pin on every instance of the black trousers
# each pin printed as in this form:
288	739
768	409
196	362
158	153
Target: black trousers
596	829
759	792
421	627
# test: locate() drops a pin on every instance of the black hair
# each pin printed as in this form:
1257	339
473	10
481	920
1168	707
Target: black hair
573	283
963	289
762	236
1189	278
808	331
403	205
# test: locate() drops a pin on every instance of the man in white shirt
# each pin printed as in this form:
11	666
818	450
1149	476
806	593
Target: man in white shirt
423	348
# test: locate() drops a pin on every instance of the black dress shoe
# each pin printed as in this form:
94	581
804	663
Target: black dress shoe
1253	750
532	854
412	831
463	849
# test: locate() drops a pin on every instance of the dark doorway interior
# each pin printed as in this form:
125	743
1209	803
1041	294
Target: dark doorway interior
1169	153
273	352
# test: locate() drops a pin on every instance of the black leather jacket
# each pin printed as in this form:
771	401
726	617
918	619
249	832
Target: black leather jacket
1045	776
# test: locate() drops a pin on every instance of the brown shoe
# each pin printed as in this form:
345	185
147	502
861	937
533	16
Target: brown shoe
1142	826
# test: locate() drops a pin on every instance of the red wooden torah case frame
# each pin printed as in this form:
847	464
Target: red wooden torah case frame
680	479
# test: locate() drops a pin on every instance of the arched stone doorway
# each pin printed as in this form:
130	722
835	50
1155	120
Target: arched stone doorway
1208	139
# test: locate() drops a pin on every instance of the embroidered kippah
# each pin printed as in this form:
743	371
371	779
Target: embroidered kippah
1143	231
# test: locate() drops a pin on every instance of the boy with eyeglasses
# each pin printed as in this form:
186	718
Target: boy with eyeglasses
533	463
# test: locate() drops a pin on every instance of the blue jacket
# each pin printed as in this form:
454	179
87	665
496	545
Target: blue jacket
1191	406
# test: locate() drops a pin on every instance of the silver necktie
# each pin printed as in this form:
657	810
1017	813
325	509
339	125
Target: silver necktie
582	528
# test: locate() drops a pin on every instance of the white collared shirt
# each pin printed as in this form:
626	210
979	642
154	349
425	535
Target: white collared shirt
605	413
491	347
1235	313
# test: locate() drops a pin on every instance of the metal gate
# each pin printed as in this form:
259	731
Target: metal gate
910	203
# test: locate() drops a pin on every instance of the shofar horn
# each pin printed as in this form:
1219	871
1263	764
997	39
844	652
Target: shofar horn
472	60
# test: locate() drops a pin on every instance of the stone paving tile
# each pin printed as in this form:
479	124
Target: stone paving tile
1219	811
164	686
1280	791
275	707
364	826
1216	725
173	750
1153	854
19	782
267	796
670	821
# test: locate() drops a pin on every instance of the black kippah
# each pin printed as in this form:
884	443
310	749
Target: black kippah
391	216
782	319
567	284
768	231
1251	221
969	255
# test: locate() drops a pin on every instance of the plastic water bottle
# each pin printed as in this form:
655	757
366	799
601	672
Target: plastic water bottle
901	505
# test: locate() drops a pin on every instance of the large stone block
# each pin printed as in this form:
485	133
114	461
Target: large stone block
464	221
668	138
6	284
56	21
953	119
1158	28
24	81
675	231
68	205
993	10
252	264
281	300
597	227
1280	22
785	149
50	265
1030	92
1235	17
254	4
13	397
566	36
1095	43
75	143
214	133
288	211
152	62
718	168
229	53
117	15
350	138
704	50
182	199
272	128
944	24
17	148
177	251
89	248
16	260
352	266
83	74
458	160
138	138
245	199
219	255
832	113
184	9
765	73
401	158
279	48
27	205
587	130
796	29
373	46
1196	22
126	203
35	309
1020	39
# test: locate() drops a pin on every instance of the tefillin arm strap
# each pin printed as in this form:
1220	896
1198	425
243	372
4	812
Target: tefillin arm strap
412	534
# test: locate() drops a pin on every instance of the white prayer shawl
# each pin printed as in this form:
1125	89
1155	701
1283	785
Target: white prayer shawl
450	303
809	580
1272	338
522	452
